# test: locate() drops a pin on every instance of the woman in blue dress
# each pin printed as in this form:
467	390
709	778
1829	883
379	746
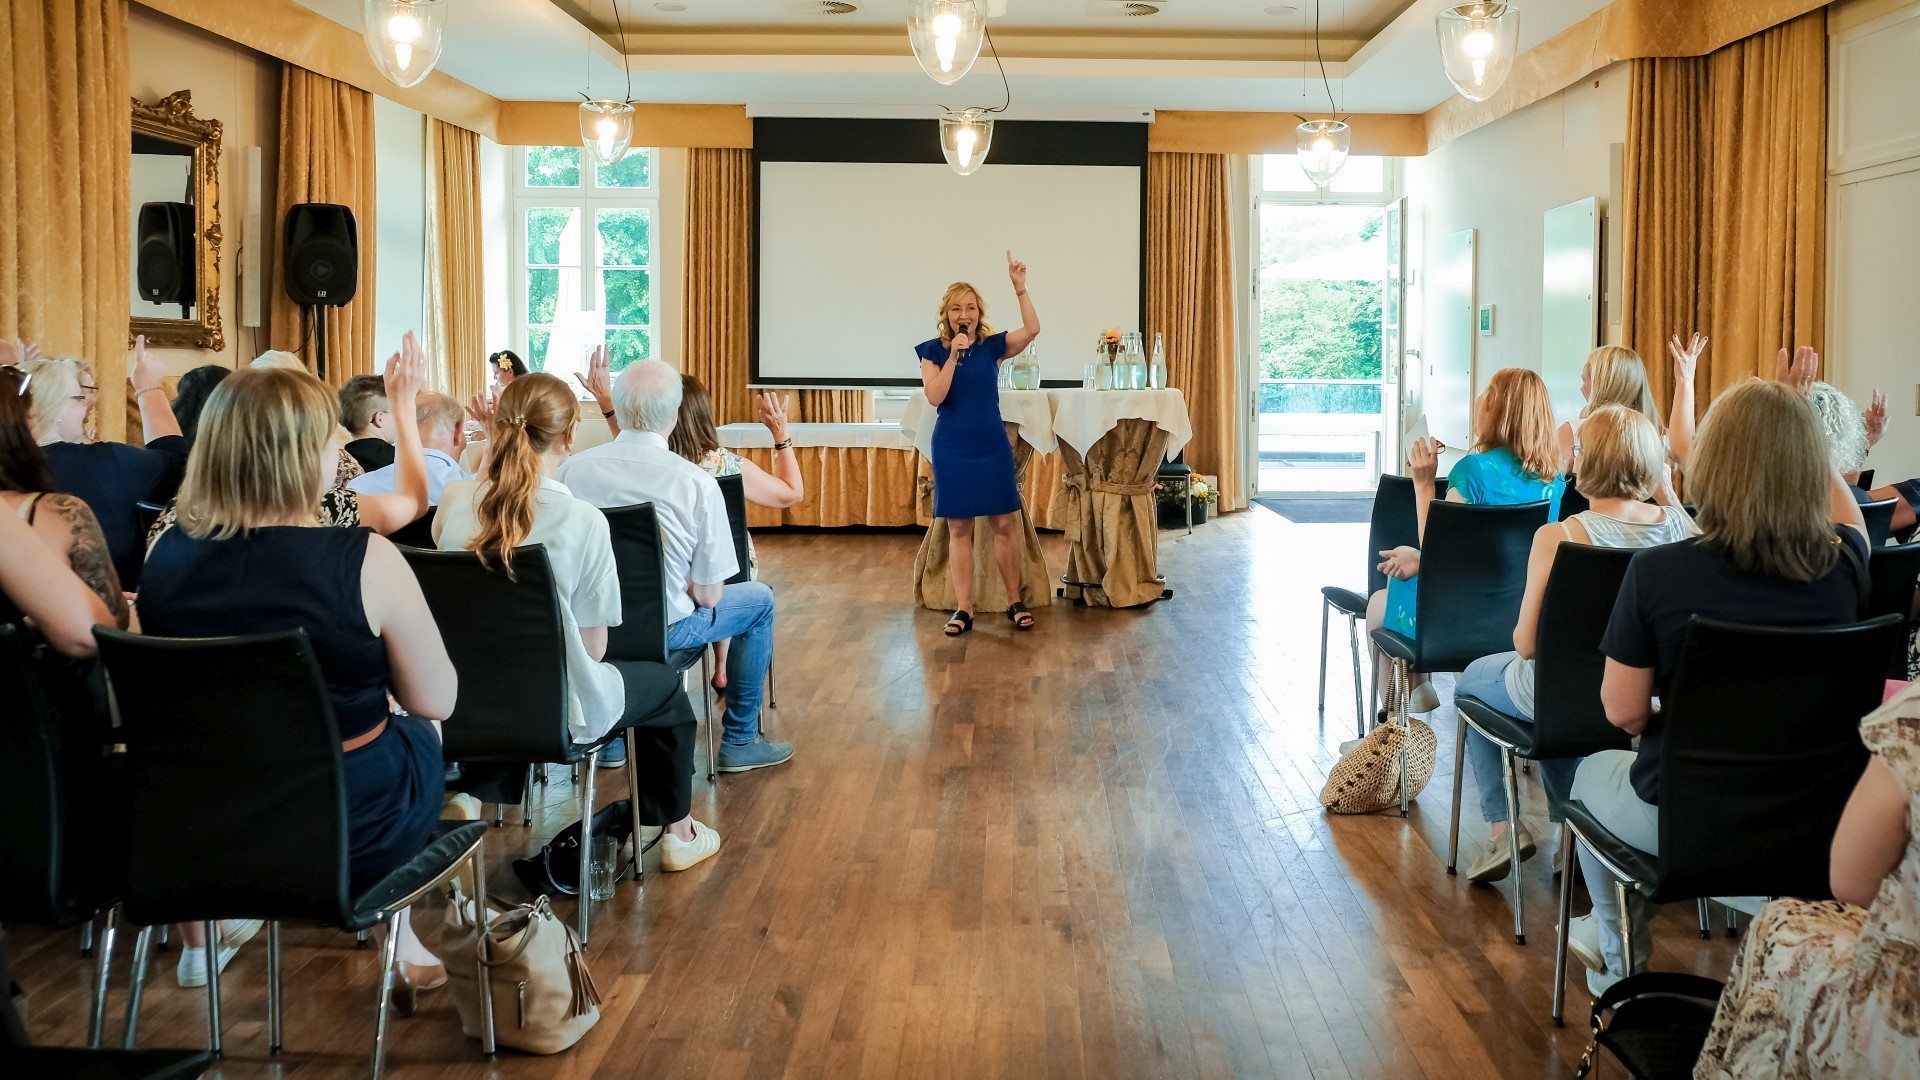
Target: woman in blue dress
972	460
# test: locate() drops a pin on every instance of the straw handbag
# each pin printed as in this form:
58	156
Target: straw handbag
1367	777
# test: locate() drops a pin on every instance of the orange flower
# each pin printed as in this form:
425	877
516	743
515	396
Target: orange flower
1112	337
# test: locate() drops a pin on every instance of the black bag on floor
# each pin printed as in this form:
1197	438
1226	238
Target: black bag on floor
1659	1022
555	869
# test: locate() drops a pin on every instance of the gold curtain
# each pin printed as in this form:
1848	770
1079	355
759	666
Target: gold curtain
833	406
456	288
64	220
1725	203
715	305
326	156
1190	300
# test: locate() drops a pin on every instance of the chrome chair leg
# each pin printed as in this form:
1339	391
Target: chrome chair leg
1403	691
480	913
360	940
1567	843
103	970
210	929
1324	610
86	939
1459	769
1623	896
706	698
1353	643
773	699
1513	840
164	939
633	802
142	951
1733	923
585	895
1706	918
526	802
275	1032
386	991
1189	503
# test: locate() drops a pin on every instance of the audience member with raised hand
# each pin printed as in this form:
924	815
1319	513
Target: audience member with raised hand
28	491
35	583
638	466
1832	988
366	411
1781	543
1514	460
443	438
111	478
1906	512
1680	421
517	502
249	556
1616	375
1623	464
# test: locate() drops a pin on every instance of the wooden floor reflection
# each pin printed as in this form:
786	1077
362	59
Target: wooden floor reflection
1091	851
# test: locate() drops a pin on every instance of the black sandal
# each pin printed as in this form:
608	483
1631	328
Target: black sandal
961	622
1022	618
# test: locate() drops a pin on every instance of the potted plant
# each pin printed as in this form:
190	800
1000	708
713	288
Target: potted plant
1171	497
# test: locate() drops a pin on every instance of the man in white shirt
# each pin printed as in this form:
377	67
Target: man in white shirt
638	467
442	435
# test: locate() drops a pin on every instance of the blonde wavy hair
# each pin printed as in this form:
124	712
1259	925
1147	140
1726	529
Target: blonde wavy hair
535	411
50	383
1760	474
1516	414
946	300
1618	376
260	456
1620	455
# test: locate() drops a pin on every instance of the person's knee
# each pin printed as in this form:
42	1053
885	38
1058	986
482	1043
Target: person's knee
1377	610
1002	525
1598	773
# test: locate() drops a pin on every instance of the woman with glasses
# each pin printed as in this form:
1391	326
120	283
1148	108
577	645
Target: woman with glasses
111	478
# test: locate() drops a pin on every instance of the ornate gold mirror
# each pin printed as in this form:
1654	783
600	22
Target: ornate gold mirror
175	186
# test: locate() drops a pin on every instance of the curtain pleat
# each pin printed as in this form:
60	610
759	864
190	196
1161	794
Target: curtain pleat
65	224
717	296
456	285
1190	301
833	406
326	156
1724	203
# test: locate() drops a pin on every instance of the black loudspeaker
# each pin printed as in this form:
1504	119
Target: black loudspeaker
163	259
321	254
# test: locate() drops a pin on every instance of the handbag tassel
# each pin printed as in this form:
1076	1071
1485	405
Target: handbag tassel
586	996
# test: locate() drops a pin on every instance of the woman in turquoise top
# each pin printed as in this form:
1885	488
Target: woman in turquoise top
1515	459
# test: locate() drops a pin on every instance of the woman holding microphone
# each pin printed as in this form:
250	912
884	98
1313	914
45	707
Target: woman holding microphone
972	461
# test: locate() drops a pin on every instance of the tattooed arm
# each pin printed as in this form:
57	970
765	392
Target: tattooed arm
69	527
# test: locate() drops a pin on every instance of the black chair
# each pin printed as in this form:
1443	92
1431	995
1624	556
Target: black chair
1568	718
1473	571
734	492
504	638
146	514
1391	524
249	718
1178	470
417	533
640	558
1896	578
1760	751
1572	502
1879	518
62	855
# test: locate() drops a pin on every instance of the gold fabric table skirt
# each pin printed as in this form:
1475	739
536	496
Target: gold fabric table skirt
931	587
1106	504
886	486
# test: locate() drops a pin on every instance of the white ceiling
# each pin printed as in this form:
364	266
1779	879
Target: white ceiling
753	52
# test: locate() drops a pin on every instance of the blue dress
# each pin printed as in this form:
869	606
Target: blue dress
972	461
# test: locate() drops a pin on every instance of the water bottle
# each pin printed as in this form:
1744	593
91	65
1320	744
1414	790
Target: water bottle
1026	372
1157	371
1136	362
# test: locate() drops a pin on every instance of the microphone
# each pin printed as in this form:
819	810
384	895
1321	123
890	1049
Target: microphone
963	328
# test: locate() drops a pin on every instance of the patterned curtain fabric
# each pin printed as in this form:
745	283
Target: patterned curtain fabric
714	308
326	156
1725	209
1190	300
65	226
456	287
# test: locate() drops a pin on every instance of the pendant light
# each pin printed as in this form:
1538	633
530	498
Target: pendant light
967	134
1321	146
945	36
404	36
1477	46
606	125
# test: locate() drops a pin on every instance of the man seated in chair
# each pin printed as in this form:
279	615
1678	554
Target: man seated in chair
636	467
368	416
443	437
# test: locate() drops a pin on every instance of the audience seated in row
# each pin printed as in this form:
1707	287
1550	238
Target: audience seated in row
1616	375
443	438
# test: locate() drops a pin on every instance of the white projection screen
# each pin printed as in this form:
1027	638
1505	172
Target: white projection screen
853	256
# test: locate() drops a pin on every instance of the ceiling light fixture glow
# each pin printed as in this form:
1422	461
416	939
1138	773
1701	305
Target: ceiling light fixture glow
403	36
1478	42
945	36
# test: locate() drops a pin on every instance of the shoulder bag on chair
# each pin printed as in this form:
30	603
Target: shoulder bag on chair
544	999
1367	777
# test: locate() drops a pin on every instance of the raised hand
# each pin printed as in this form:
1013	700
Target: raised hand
1016	272
481	410
1876	418
773	413
598	379
406	371
1798	370
1686	358
147	372
14	351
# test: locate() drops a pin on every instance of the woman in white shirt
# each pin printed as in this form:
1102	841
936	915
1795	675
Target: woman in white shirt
517	502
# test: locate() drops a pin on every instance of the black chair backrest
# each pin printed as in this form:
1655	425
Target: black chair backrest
233	765
417	533
1473	572
1568	719
1896	578
1866	480
1572	502
1393	522
733	490
505	638
146	514
1879	517
34	847
640	558
1761	749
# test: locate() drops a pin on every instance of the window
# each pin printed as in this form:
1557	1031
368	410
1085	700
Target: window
585	272
1364	179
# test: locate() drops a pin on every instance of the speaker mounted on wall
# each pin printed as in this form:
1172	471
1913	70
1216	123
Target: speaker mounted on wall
163	263
320	250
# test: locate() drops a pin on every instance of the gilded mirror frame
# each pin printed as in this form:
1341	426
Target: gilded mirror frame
172	119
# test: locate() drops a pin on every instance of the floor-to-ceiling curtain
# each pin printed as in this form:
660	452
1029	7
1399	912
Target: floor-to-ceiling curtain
1190	301
65	224
833	406
715	308
1724	216
326	156
456	291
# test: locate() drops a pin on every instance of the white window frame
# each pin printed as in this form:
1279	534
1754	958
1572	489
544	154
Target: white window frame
589	200
1390	179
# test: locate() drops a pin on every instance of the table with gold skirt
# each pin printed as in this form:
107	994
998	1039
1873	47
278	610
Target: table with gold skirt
1111	446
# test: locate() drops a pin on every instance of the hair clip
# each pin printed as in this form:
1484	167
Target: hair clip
514	421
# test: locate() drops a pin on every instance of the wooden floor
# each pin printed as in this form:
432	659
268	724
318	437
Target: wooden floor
1089	851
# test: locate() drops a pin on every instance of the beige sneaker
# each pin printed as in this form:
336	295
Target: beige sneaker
1424	699
1497	859
678	854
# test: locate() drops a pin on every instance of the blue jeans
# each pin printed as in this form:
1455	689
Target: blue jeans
745	614
1605	789
1486	679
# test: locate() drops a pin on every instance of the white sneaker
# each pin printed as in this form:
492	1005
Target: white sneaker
650	833
1583	941
678	854
237	932
192	971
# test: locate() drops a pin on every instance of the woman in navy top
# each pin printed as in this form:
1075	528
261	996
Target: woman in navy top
972	461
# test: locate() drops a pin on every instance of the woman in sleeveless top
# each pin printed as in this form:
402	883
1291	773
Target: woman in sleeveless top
248	557
1616	375
28	490
1624	464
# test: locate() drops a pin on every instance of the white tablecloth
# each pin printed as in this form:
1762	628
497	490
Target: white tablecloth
1030	410
1080	417
745	436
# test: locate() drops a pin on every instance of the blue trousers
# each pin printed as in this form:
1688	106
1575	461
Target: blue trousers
1486	679
745	614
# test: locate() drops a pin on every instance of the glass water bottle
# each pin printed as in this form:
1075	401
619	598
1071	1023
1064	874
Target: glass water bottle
1157	368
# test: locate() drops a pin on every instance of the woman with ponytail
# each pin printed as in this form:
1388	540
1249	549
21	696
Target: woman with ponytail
517	502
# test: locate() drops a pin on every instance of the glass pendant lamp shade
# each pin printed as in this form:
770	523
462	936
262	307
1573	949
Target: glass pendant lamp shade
606	130
946	36
1477	44
404	36
1323	146
964	139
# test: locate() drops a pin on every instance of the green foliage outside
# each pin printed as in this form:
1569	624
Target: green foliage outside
625	246
1320	327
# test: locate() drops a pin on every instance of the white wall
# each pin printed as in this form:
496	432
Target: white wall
1873	237
400	229
1500	180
